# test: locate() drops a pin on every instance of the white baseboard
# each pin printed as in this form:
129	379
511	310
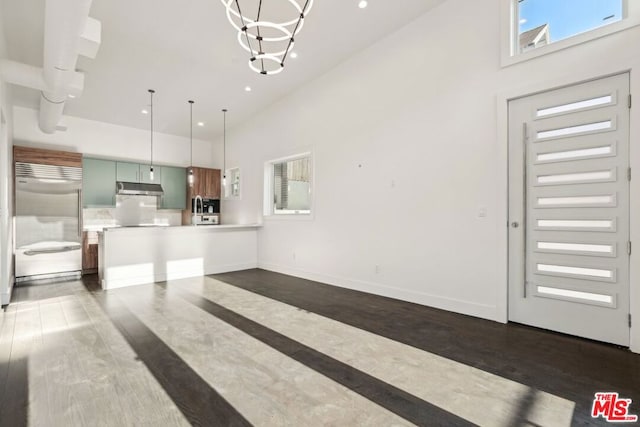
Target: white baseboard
482	311
121	282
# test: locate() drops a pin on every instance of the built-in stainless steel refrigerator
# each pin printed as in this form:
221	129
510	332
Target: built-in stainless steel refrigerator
48	228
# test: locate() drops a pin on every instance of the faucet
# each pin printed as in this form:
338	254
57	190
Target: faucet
194	218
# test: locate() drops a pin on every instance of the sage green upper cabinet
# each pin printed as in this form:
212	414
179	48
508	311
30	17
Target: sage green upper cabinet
128	172
98	183
135	172
174	185
100	176
145	174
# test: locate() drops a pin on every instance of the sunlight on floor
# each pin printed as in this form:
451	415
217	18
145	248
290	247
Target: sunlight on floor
471	393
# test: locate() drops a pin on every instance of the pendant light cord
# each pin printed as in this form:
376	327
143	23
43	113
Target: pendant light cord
286	52
224	143
151	91
191	135
244	29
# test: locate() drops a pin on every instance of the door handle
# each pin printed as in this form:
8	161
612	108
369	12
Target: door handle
33	252
80	213
515	224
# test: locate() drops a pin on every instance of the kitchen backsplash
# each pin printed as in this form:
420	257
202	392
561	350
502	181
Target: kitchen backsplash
131	210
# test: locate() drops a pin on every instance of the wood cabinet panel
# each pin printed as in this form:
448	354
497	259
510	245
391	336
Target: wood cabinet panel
200	181
212	181
89	252
206	183
46	157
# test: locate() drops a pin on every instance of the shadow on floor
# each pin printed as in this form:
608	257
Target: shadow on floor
14	393
565	366
197	400
398	401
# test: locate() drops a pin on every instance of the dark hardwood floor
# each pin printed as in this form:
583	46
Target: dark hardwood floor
398	401
259	348
200	404
566	366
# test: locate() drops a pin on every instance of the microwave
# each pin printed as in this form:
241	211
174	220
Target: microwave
209	206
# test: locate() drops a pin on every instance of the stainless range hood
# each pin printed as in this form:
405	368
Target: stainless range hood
138	189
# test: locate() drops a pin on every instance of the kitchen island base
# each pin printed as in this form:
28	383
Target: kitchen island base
131	256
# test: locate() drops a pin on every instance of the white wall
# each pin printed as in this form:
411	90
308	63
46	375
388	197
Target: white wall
6	189
100	139
409	144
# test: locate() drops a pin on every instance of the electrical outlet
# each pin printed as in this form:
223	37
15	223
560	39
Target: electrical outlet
377	269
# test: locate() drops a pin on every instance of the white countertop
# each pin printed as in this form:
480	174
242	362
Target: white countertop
202	227
90	228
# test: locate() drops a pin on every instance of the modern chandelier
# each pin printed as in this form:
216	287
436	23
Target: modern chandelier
267	31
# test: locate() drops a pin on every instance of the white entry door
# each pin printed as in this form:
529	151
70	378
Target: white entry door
569	210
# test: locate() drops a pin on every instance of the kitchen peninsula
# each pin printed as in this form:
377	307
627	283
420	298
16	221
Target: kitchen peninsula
137	255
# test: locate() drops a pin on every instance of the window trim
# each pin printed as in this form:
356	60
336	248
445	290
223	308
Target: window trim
228	174
268	208
509	32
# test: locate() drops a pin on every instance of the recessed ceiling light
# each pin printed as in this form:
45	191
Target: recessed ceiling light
71	96
294	55
144	112
362	4
200	124
247	89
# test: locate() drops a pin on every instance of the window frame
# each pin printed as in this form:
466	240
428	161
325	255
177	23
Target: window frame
229	174
510	32
269	207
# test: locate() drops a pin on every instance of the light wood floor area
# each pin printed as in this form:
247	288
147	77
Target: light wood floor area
260	348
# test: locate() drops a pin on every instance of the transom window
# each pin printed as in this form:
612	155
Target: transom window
542	22
531	28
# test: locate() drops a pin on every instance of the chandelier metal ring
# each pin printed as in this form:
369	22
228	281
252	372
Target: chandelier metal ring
294	3
259	24
249	22
269	58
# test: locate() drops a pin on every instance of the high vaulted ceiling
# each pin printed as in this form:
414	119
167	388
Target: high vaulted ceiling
188	50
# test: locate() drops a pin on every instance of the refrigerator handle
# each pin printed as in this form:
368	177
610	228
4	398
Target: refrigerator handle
80	214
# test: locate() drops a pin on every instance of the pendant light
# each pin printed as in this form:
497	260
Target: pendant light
190	178
224	147
151	92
